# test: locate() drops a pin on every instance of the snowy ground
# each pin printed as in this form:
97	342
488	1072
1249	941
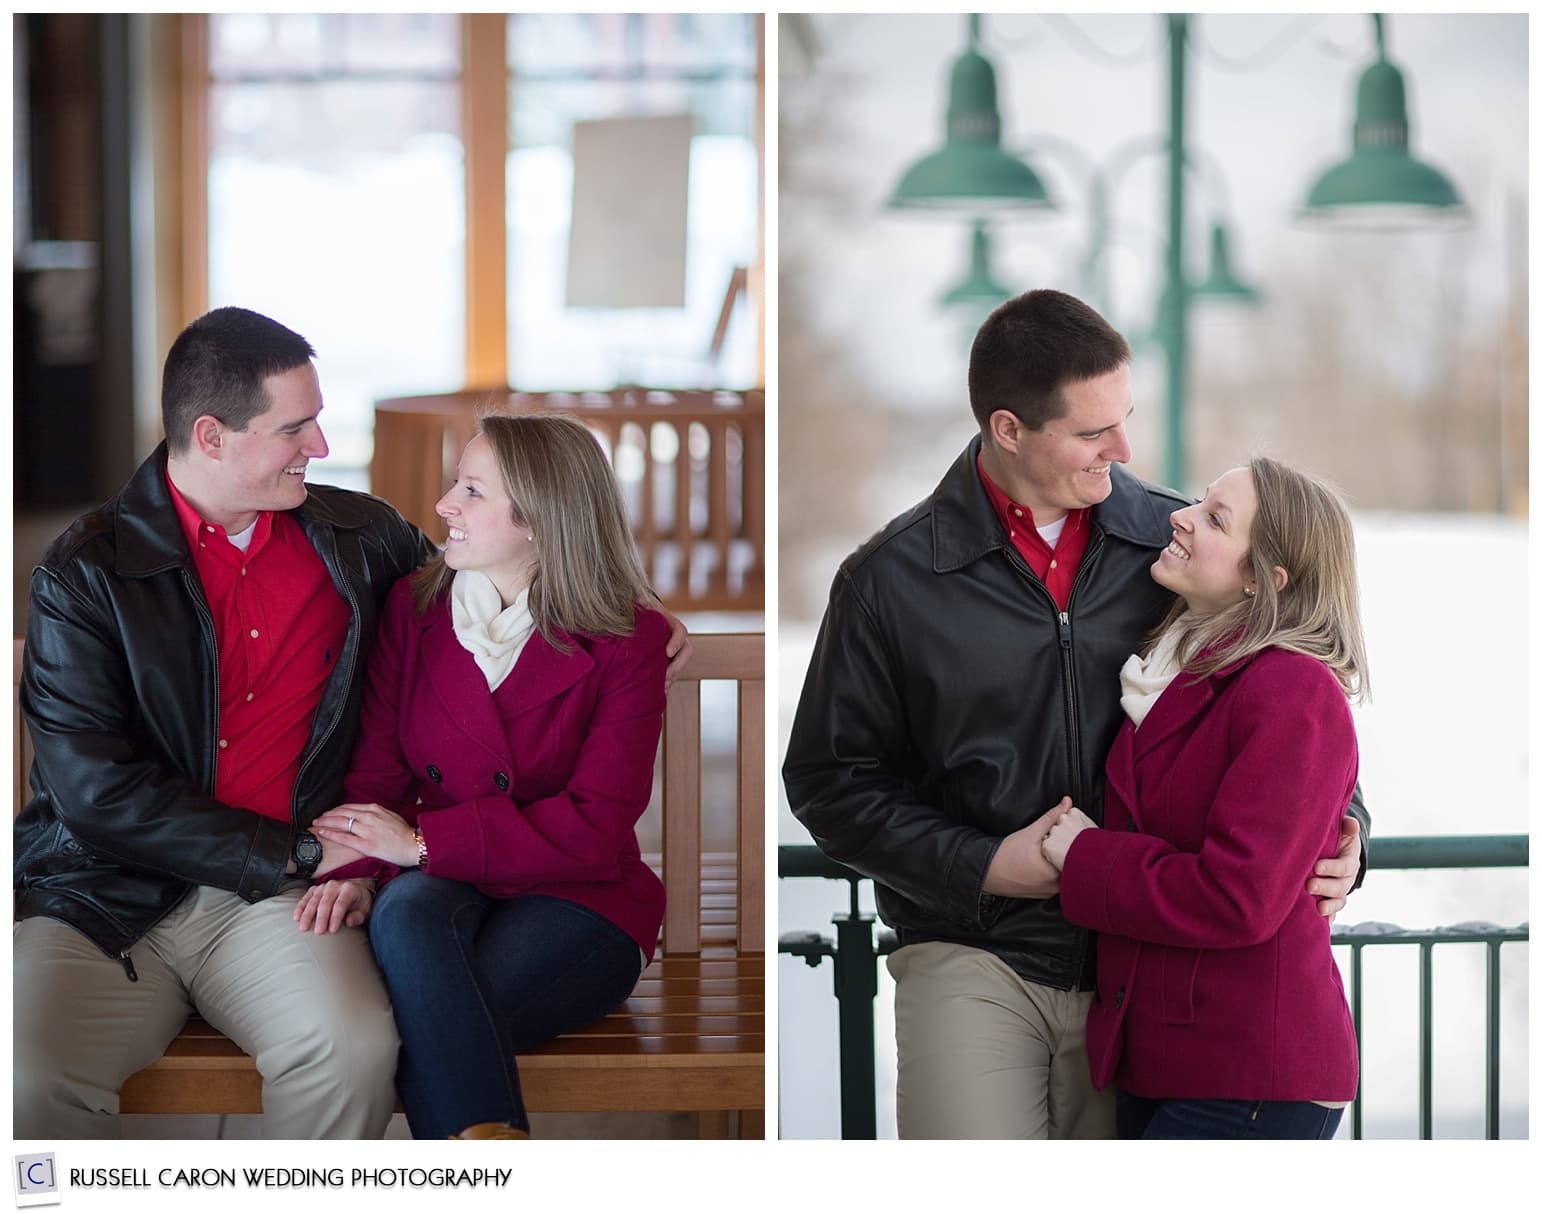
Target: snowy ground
1443	751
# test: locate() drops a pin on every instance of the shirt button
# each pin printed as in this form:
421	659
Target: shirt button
243	570
434	774
254	634
209	529
1053	564
249	697
1017	512
223	743
502	781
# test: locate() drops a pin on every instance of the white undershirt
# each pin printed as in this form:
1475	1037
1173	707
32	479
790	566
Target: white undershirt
1051	534
243	539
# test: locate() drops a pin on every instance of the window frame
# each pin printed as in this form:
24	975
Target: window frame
484	92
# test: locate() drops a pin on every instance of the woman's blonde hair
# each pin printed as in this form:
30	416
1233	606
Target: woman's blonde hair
561	486
1302	526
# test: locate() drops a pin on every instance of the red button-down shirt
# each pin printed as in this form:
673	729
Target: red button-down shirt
280	625
1056	567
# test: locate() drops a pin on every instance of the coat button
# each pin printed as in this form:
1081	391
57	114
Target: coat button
434	774
1119	998
502	781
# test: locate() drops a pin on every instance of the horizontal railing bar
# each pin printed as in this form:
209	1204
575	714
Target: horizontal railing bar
1492	934
1391	853
1451	851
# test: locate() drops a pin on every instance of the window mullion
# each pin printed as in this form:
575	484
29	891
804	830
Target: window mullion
485	126
194	159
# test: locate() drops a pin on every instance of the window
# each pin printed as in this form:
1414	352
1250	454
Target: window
336	200
565	68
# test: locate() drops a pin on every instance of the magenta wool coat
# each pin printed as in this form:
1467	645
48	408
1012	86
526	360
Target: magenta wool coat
533	789
1215	975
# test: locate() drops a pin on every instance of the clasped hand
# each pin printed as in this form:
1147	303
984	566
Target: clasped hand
1068	823
1021	868
371	830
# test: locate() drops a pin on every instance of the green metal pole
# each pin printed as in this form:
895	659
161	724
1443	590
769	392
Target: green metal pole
1356	1014
1491	1101
1426	1041
856	985
1173	309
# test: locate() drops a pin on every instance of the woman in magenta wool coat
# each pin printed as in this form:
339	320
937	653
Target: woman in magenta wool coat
506	748
1219	1011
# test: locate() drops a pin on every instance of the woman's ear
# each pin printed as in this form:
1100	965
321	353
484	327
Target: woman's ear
1281	578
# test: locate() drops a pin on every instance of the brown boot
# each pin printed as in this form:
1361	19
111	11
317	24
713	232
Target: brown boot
491	1129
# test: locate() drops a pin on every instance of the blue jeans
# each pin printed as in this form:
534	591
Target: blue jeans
475	980
1138	1117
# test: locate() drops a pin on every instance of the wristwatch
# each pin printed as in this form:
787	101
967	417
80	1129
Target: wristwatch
307	854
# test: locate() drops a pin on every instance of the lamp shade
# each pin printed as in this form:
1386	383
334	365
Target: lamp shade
978	286
1382	185
970	173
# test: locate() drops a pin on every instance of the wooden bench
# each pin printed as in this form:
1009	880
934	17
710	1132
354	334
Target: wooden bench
691	463
692	1036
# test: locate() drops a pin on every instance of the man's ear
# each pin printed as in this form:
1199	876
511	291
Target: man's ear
209	436
1006	430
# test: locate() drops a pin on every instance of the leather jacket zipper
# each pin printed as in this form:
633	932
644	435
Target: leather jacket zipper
195	590
335	567
1094	545
128	966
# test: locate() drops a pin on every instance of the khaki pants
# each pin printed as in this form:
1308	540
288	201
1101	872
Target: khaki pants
311	1010
984	1054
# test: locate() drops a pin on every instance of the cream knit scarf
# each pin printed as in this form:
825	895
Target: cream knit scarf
492	633
1143	680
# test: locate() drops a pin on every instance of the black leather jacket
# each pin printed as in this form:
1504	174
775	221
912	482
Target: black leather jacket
950	702
120	692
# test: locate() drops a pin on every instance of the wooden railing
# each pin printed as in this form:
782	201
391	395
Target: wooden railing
692	467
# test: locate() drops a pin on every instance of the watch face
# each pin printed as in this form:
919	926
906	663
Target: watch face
307	849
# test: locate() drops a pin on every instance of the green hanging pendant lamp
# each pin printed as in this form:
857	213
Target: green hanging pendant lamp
971	174
1222	282
1381	185
979	287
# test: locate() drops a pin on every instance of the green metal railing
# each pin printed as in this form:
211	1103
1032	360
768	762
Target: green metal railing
855	952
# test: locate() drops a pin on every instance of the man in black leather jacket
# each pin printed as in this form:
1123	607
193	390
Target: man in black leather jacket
140	895
966	679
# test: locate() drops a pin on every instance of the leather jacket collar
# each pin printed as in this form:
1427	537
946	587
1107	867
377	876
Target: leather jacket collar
965	528
150	540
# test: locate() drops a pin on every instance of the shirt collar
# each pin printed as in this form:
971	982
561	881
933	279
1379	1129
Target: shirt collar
195	527
1006	509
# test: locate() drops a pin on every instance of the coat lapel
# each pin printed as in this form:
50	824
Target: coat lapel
461	687
1184	699
542	673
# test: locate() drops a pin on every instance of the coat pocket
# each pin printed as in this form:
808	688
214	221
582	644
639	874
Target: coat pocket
1180	970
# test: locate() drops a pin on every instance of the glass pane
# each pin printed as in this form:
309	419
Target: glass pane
544	114
553	346
290	44
249	43
422	42
339	210
567	68
543	44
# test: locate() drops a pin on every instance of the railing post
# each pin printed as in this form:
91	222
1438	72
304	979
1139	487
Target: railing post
1426	1040
856	985
1491	1101
1356	974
